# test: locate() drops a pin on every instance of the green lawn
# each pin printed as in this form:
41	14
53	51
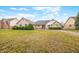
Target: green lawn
37	41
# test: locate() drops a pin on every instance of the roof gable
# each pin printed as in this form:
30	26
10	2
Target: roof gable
69	19
25	20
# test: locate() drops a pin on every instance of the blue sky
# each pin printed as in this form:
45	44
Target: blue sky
34	13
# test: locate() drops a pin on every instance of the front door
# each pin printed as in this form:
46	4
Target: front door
43	26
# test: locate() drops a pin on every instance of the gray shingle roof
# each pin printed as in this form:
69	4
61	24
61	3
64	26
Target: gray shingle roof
26	20
43	22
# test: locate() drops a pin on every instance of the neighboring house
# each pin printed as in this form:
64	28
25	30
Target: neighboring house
45	24
0	24
70	23
23	21
10	22
7	23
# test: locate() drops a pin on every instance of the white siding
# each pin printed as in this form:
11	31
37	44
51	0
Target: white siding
38	27
13	22
56	24
23	22
49	24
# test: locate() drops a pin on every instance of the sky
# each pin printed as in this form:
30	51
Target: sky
35	13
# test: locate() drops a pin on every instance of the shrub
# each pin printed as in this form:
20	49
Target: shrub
21	27
15	27
55	28
28	27
25	28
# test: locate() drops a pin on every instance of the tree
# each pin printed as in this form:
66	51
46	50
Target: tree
77	21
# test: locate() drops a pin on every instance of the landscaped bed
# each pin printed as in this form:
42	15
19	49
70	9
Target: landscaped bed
37	41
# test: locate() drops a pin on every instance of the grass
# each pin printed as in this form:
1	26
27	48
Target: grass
37	41
73	30
76	30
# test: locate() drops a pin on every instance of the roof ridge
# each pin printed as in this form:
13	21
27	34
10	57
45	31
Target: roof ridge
8	19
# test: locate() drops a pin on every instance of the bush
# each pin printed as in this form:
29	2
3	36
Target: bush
25	27
29	27
55	28
21	27
15	27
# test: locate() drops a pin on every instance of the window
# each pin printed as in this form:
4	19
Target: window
70	25
56	24
25	24
48	25
38	25
20	24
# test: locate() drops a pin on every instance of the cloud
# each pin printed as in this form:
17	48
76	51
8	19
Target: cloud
53	10
48	12
13	8
65	14
18	16
40	8
6	16
43	17
19	9
47	17
56	9
23	9
25	15
1	10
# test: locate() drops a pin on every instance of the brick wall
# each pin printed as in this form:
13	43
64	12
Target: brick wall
4	24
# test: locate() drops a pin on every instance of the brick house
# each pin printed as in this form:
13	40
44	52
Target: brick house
10	22
7	23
